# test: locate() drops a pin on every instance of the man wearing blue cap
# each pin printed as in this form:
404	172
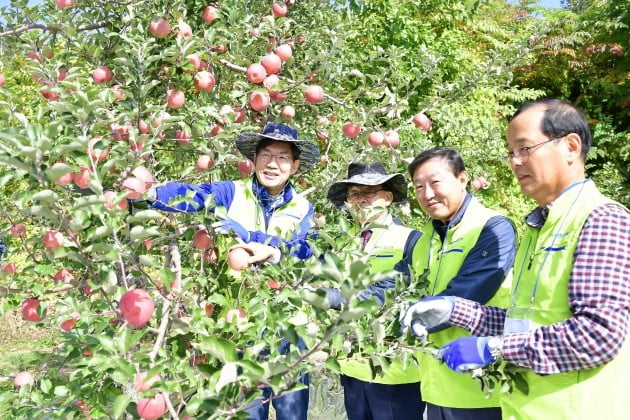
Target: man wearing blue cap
256	209
264	212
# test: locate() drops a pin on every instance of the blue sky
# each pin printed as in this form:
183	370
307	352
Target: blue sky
548	3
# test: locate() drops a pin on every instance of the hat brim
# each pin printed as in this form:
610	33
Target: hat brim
309	151
338	192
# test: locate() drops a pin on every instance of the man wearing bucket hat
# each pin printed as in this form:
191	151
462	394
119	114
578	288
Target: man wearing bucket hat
264	209
265	213
370	190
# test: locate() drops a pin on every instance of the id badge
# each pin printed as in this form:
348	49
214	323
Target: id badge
517	320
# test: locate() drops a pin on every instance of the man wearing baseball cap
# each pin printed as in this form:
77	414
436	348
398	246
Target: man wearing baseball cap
370	190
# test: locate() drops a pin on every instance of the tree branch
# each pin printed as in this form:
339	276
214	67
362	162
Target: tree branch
51	28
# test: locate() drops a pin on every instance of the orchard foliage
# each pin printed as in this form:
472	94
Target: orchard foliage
100	99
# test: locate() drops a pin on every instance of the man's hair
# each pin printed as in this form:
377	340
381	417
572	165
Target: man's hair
295	151
559	119
451	156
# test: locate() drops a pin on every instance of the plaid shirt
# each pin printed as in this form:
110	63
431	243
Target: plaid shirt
599	298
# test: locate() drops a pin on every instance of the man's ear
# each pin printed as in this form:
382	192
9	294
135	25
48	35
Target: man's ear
463	178
574	147
295	166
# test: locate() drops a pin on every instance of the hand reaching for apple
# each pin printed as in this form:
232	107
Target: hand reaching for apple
244	254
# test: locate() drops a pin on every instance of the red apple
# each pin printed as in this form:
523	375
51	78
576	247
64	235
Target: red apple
204	80
314	94
184	30
82	178
182	137
61	75
2	80
24	378
159	28
241	114
288	112
392	139
63	276
271	63
376	138
256	73
30	309
143	127
53	240
238	259
119	132
194	60
67	177
152	408
277	96
205	162
422	121
238	315
202	239
245	168
97	155
144	384
211	256
320	220
209	14
102	74
259	101
135	187
118	94
18	231
219	48
279	10
62	4
68	324
9	268
479	183
255	33
49	94
137	307
109	197
351	130
216	129
175	98
143	173
284	51
271	81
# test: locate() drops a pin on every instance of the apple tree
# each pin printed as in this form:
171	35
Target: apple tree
101	100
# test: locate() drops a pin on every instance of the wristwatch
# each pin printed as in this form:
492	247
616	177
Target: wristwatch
494	345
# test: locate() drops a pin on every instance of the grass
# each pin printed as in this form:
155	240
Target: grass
23	345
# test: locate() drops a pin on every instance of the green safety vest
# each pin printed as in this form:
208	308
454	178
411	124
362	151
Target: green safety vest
440	385
542	269
246	210
386	248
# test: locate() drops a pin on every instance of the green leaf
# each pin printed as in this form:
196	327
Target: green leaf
220	348
229	373
120	405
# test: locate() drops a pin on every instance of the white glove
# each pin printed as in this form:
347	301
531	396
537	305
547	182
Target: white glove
426	314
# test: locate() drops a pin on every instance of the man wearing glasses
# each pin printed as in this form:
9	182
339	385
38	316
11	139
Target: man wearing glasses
265	213
569	316
370	191
256	209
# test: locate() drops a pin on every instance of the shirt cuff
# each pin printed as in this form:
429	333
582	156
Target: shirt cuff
275	258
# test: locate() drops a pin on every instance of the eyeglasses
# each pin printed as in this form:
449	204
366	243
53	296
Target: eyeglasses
266	157
522	153
355	195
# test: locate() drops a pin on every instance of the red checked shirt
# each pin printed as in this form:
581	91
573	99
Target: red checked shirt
599	297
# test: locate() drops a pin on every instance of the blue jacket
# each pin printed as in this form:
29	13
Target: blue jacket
223	196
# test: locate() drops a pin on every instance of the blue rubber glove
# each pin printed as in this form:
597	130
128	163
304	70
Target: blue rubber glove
228	226
469	353
427	314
